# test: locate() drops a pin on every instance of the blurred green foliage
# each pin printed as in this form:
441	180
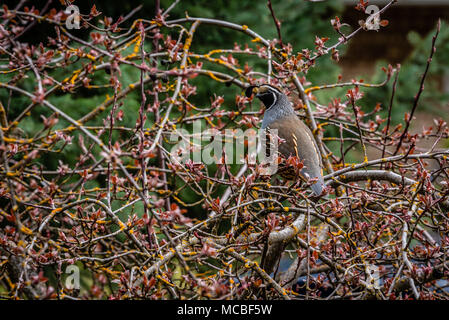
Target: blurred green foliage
410	76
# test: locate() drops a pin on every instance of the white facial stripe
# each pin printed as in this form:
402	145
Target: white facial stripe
274	100
271	88
275	89
267	89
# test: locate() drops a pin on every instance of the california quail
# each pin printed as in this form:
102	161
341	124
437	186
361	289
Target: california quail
297	138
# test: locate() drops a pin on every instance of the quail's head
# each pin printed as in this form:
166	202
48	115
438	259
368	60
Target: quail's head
266	93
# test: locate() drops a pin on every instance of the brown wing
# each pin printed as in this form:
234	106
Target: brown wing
299	142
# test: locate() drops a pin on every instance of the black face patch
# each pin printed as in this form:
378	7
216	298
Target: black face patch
268	98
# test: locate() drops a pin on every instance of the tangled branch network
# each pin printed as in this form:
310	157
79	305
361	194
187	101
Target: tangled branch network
101	188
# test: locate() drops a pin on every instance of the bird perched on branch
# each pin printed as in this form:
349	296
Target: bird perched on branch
298	139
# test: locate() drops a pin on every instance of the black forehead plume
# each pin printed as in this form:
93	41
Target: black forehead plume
249	91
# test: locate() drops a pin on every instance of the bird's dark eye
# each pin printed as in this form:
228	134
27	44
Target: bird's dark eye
268	98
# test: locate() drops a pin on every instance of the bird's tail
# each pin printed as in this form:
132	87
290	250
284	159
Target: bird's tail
317	187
